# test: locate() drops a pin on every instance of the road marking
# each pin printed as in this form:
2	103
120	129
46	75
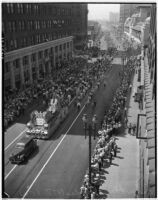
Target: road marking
52	154
15	139
10	172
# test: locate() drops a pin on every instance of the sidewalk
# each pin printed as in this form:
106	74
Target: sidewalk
121	177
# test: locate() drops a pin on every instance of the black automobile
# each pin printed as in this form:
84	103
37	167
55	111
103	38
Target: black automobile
23	149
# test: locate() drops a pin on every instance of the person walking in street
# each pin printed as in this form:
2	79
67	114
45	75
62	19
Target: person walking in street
78	106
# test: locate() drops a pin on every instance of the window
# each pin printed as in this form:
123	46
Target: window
46	52
20	26
33	57
40	54
10	26
11	44
6	69
17	63
13	26
25	60
56	49
17	77
8	8
27	8
23	25
18	7
15	43
11	8
21	8
60	47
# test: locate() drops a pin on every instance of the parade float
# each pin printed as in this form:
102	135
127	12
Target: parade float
43	124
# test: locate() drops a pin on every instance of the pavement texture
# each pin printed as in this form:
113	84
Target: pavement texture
121	178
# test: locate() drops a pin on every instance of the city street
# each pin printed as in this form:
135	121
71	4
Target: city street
49	172
79	93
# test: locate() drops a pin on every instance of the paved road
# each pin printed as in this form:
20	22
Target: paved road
103	45
56	170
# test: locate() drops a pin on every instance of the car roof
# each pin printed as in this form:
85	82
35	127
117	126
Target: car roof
24	140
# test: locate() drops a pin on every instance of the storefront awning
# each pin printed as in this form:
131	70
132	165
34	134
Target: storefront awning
152	192
151	143
151	134
150	120
151	165
149	110
149	105
150	127
152	179
151	153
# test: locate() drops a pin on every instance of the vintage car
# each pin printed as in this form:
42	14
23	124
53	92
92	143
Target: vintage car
23	149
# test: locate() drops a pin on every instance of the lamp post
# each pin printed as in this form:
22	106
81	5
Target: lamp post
89	127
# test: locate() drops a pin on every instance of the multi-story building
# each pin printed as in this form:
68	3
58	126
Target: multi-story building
114	17
136	27
39	36
126	10
94	29
146	124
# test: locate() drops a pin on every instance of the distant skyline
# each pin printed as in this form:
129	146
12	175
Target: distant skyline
101	11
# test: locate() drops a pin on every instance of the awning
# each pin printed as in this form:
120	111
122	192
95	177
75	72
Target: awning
151	134
149	99
150	120
150	115
151	143
150	127
151	165
152	192
149	110
149	105
152	179
151	154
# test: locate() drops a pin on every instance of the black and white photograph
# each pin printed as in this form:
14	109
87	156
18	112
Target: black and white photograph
79	99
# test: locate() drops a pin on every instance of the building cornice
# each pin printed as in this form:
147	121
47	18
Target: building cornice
33	49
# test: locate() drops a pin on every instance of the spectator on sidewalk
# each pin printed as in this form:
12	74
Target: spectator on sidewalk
110	157
115	149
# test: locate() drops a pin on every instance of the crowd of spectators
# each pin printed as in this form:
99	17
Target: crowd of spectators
106	147
73	79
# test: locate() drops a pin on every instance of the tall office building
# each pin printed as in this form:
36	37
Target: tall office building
39	36
114	17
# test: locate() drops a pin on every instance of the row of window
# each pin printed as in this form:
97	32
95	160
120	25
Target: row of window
33	40
33	58
16	26
25	8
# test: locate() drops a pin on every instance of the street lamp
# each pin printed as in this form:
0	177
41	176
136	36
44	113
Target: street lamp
89	127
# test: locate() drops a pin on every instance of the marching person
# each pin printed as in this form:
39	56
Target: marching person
78	106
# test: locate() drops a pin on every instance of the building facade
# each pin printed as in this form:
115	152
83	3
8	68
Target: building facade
94	29
144	21
114	17
37	37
